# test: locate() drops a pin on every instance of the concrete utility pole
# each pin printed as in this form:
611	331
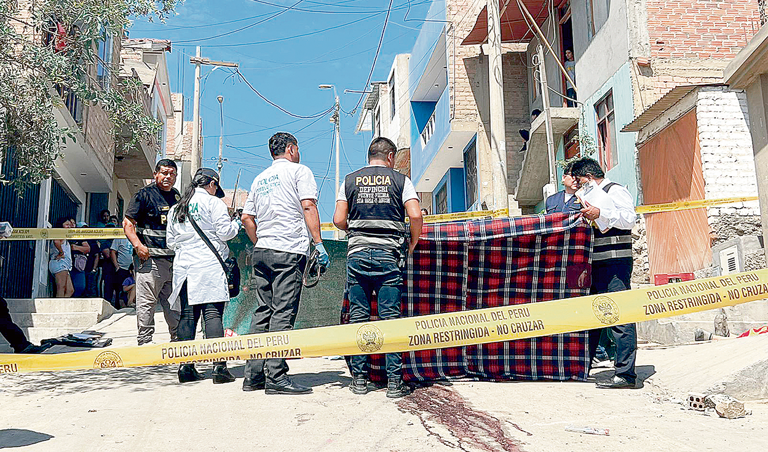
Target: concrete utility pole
496	84
547	115
336	126
199	61
221	134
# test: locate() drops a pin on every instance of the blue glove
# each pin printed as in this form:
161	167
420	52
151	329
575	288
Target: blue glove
323	258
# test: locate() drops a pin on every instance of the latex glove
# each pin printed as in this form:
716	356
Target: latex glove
323	258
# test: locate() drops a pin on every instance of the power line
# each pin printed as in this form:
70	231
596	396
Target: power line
182	27
279	13
319	114
321	11
286	38
375	57
328	170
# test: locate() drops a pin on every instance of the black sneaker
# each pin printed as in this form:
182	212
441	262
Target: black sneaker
359	385
397	389
221	374
188	373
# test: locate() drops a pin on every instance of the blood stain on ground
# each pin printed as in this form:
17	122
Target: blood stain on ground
438	406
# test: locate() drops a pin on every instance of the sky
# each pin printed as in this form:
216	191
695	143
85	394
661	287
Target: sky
285	54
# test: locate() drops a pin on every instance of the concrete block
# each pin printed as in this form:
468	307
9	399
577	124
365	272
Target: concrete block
54	305
735	367
680	329
83	320
35	335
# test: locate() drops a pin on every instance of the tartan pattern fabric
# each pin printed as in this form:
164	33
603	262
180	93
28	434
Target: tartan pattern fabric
489	263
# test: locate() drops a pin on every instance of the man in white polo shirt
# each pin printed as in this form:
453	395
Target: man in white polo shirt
283	202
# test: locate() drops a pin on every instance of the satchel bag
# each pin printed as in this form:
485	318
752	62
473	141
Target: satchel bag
231	269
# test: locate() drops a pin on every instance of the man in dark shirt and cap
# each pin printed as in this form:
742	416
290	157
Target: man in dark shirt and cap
144	225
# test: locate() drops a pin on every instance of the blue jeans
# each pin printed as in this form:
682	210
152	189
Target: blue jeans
368	271
78	282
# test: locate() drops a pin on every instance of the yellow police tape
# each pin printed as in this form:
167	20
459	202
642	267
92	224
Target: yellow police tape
426	332
687	205
117	233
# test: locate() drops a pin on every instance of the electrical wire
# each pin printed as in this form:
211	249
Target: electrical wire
375	57
183	27
319	114
286	38
208	38
320	11
328	170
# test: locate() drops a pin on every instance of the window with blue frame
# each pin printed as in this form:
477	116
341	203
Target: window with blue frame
470	172
104	59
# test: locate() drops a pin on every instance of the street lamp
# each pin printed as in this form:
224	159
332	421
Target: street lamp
335	120
220	98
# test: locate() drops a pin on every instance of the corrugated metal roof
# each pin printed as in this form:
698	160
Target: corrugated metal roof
662	105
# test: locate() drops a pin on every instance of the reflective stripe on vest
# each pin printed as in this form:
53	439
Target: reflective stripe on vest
614	244
152	236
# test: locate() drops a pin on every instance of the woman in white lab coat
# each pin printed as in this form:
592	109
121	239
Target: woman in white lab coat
199	283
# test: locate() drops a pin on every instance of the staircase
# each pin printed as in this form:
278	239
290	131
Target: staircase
44	318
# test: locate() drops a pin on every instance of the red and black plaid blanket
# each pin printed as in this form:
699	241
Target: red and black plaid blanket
489	263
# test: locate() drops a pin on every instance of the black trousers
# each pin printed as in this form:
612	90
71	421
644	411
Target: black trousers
190	315
108	282
9	330
212	314
278	280
614	276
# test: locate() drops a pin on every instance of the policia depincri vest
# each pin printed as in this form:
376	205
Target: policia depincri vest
612	245
151	227
376	210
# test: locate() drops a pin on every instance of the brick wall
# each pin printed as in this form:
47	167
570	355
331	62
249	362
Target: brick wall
701	28
470	89
516	112
97	128
726	150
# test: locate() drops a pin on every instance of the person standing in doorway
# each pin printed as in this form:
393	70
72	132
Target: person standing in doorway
371	206
570	69
283	203
145	226
611	263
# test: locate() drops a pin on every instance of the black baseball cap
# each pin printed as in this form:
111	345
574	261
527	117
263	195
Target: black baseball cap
208	172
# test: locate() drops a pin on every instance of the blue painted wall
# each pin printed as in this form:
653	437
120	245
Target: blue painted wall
421	111
425	43
456	195
625	171
421	157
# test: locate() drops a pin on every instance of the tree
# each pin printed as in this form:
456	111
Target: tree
50	45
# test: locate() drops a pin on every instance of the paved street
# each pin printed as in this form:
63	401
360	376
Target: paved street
139	409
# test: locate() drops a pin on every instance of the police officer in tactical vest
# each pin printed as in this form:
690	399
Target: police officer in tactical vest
145	222
371	206
611	263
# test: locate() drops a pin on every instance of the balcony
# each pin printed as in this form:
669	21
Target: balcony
81	162
71	102
136	162
534	174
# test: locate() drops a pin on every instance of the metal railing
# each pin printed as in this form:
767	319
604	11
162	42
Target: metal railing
429	130
71	101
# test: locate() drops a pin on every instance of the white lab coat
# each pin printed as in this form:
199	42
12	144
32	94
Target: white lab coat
194	262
